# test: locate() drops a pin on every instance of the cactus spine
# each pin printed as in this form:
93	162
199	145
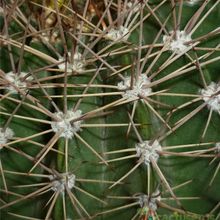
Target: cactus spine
110	109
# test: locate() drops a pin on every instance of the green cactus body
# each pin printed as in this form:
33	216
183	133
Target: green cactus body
110	109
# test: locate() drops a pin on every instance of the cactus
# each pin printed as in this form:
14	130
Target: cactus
110	109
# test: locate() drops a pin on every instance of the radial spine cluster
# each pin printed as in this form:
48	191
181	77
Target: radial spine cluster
148	151
64	125
120	34
138	87
76	64
150	201
5	135
177	41
17	80
59	184
211	95
217	145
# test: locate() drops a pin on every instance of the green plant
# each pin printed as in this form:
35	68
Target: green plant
110	109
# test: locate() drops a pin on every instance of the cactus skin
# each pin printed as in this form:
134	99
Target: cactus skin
87	176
